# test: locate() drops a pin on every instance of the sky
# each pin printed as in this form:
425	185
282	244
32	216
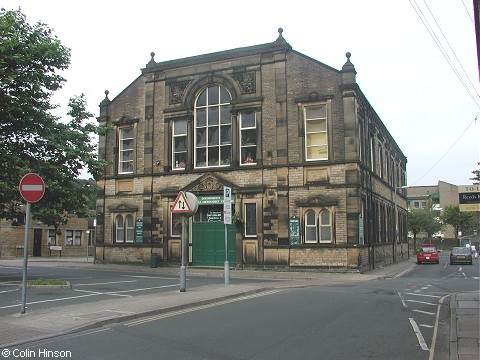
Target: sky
425	91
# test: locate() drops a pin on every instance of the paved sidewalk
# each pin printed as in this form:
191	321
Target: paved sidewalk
46	323
465	326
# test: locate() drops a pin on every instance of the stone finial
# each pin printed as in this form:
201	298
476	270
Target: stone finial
348	66
348	71
105	101
280	43
280	39
152	60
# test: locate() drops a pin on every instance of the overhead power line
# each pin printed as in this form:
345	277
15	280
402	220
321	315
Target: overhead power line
450	148
473	94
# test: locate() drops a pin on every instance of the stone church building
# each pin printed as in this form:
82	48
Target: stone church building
315	175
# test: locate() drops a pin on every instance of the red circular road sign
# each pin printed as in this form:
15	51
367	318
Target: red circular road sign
32	187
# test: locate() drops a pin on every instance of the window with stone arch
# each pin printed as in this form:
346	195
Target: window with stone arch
318	226
124	228
213	128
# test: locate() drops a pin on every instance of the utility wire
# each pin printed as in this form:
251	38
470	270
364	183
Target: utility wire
468	13
430	30
450	148
453	51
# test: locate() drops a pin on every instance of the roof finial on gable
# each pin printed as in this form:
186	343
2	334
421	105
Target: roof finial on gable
348	70
152	60
280	39
105	101
280	43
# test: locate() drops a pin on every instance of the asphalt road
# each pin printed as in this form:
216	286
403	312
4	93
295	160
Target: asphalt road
401	318
87	285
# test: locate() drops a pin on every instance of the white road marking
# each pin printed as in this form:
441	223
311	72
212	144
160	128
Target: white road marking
151	277
423	312
101	293
106	283
425	295
417	331
197	308
403	301
6	291
426	325
422	302
87	295
435	329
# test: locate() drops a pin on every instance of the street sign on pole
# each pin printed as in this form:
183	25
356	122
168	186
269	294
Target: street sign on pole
186	204
227	205
32	187
181	204
227	219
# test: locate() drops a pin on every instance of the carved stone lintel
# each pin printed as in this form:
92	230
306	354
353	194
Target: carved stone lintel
210	183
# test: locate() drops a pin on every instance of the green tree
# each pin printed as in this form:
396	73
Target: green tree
476	177
461	221
423	220
33	139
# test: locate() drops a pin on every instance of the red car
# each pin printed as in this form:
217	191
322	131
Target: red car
427	254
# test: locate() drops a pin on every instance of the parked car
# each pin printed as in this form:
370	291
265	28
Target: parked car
427	254
461	255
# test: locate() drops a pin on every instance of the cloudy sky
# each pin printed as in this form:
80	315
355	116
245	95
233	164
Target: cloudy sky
425	91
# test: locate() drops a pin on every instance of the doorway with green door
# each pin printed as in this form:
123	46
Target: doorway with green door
208	237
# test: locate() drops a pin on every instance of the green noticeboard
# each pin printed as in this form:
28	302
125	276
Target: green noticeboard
293	230
139	231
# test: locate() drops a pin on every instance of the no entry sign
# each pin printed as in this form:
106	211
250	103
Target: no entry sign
32	187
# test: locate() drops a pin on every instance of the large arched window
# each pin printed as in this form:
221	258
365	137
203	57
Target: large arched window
213	128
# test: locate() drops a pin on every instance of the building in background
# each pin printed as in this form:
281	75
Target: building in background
316	177
76	238
436	197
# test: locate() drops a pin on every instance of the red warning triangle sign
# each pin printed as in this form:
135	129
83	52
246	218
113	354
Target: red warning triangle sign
181	204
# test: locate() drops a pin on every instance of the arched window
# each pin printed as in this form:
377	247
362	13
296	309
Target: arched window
129	228
124	228
318	226
213	128
325	228
119	229
310	227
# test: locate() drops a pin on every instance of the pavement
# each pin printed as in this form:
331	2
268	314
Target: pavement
42	324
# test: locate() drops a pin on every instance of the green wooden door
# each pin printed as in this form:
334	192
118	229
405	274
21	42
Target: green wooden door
208	244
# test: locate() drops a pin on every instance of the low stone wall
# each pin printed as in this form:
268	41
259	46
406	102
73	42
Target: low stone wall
130	254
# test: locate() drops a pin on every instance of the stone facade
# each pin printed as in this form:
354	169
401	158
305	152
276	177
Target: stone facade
322	189
71	240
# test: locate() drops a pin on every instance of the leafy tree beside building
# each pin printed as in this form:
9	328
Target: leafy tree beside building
462	222
33	139
423	221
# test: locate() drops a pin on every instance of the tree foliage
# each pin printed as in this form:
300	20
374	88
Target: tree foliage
461	221
33	139
476	177
423	220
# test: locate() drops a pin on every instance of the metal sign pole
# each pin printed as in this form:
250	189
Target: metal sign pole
25	259
183	270
227	219
226	265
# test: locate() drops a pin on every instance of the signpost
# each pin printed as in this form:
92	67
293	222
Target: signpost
186	203
227	220
32	189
